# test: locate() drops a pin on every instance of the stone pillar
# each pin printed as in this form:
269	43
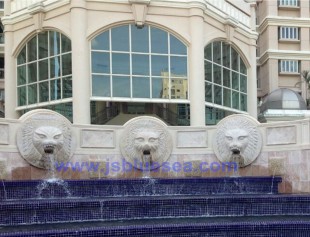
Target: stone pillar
252	73
80	63
9	72
196	66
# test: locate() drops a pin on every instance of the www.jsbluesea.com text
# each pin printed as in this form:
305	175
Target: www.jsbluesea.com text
125	166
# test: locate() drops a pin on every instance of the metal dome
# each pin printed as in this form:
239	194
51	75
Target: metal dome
285	99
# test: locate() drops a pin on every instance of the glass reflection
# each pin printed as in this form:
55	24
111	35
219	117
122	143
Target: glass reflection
141	87
43	69
140	64
159	41
100	62
120	38
101	86
176	46
32	93
159	65
54	43
120	63
43	92
32	72
178	66
43	44
55	89
140	39
101	42
32	49
121	86
157	88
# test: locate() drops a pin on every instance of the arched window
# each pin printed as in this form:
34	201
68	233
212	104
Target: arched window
138	63
44	69
225	77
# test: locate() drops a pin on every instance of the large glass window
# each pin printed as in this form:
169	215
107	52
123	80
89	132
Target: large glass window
139	63
225	77
44	70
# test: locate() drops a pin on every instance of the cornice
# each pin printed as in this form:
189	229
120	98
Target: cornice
240	28
284	54
283	21
25	13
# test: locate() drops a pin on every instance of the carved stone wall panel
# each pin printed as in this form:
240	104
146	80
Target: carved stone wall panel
146	139
97	139
4	131
281	135
192	139
45	137
238	140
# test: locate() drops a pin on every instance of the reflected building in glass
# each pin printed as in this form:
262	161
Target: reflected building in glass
102	62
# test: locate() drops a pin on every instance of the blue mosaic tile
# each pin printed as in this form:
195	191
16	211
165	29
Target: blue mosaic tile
144	187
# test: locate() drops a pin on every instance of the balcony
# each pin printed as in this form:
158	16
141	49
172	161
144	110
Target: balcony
1	73
1	38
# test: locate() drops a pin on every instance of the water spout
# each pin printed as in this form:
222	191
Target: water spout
147	162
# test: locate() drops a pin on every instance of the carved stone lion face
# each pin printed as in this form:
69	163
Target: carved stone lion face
237	140
146	141
42	133
47	139
145	138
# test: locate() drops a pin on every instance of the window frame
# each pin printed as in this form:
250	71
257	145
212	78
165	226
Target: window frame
154	79
289	33
235	87
289	66
289	3
50	80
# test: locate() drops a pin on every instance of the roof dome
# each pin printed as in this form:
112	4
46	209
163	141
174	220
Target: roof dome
285	99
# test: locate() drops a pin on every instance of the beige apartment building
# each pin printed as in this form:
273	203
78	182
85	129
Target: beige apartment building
283	51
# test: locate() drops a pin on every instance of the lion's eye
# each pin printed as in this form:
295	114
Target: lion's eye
152	139
242	138
140	139
57	136
41	135
229	138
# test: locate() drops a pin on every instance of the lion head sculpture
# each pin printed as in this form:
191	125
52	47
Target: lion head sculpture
145	137
238	140
44	135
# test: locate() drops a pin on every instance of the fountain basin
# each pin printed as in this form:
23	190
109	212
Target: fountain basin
141	187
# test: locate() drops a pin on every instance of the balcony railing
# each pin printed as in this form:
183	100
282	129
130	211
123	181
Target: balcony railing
1	73
220	7
1	38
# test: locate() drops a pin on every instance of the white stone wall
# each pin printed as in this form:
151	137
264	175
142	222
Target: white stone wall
285	152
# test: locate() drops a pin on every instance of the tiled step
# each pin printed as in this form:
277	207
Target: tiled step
292	226
15	212
139	187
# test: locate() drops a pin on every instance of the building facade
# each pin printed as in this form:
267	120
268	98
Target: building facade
283	46
104	62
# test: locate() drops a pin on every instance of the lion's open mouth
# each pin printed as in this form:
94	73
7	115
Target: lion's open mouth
49	149
146	152
235	151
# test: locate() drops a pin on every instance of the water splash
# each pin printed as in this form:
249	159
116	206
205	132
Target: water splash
4	191
53	186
